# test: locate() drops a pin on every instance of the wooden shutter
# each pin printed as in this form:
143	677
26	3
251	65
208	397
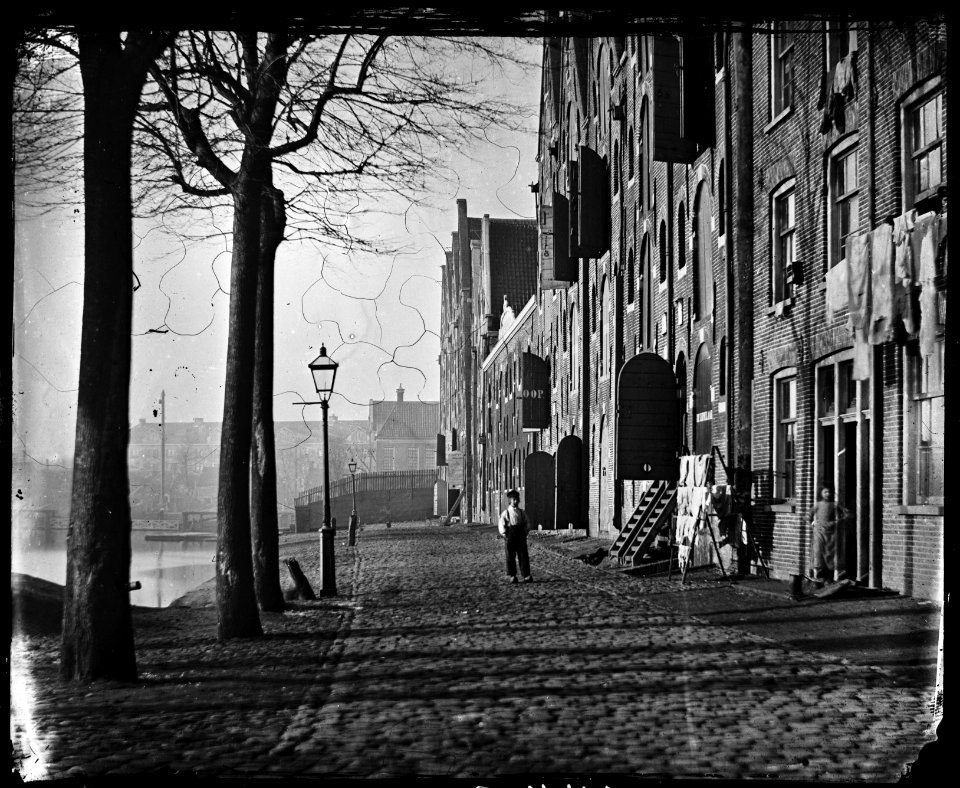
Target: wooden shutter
594	204
668	142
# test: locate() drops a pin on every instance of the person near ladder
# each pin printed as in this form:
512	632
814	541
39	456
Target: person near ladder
513	528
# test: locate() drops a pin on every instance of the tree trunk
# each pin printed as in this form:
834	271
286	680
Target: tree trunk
97	638
263	499
236	600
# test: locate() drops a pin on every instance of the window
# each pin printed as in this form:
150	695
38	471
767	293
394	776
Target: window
925	427
785	437
646	296
844	202
389	460
923	139
643	139
722	368
784	228
722	199
413	457
664	261
703	253
681	237
631	281
616	167
782	67
841	41
630	153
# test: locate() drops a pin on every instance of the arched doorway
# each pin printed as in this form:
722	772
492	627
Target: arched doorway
702	402
539	479
568	482
603	497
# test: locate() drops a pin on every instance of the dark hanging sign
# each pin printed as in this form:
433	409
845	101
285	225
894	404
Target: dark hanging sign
593	204
535	392
441	449
648	420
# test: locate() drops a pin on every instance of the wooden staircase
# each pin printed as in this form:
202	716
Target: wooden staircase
644	524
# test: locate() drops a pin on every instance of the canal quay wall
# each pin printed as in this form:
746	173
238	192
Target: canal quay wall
428	663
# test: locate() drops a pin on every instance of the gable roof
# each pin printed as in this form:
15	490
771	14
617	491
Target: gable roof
405	420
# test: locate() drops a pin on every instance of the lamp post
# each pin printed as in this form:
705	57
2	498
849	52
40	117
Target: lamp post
324	371
352	540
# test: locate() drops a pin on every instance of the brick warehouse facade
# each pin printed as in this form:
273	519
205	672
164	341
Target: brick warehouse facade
490	271
875	435
695	191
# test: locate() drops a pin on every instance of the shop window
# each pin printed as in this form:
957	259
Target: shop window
925	426
784	231
782	67
844	193
785	436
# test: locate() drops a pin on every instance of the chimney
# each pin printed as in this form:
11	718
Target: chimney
400	394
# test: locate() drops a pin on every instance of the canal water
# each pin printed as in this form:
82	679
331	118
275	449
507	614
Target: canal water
166	570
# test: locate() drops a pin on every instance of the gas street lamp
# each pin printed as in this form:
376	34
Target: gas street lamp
324	371
352	540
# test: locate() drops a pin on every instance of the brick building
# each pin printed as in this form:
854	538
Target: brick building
403	435
850	144
699	200
490	272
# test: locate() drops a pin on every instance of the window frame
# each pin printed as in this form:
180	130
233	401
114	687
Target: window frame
781	62
836	30
780	291
931	90
837	240
913	364
781	425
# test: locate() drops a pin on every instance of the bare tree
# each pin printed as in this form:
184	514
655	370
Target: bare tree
97	640
331	118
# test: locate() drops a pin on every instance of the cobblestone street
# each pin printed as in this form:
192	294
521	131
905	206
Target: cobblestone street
430	663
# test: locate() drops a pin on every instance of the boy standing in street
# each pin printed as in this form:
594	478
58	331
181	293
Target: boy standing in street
825	516
513	527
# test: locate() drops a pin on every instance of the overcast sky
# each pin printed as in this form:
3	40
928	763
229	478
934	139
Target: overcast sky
357	305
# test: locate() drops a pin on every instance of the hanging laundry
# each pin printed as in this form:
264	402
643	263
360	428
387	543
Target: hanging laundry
684	471
836	289
858	281
699	470
905	300
862	353
916	239
683	500
903	251
881	278
929	315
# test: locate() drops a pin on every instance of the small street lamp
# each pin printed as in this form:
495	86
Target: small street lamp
324	371
352	540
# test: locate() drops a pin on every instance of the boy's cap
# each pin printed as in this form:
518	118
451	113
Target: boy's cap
513	494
